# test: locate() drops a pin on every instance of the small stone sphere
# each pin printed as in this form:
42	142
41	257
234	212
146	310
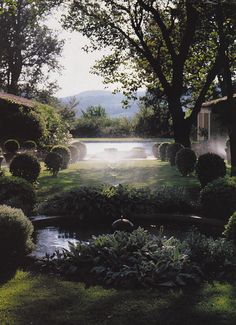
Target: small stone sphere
122	225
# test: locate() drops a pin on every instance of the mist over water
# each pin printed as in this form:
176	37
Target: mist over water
115	151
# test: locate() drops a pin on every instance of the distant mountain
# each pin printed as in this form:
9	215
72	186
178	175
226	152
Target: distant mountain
111	102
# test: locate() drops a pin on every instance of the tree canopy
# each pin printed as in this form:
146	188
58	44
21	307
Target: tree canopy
29	49
172	46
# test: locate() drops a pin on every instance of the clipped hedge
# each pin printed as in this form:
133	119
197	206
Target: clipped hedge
172	151
108	203
218	199
15	234
185	161
11	145
163	150
26	166
64	152
53	162
29	145
17	193
209	167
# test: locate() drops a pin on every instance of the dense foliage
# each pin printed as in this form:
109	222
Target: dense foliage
218	199
29	48
103	126
15	234
209	167
53	162
31	120
29	145
64	152
152	119
137	259
17	193
20	122
107	203
26	166
163	151
11	145
166	45
230	228
185	161
172	151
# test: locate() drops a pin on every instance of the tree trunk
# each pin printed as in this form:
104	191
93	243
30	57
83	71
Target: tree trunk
232	138
181	126
227	79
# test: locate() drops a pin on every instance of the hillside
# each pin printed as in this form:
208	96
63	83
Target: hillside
111	102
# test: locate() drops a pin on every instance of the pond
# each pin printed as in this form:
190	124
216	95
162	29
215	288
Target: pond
52	237
117	150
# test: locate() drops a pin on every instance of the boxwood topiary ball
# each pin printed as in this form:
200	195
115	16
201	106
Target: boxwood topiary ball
185	161
209	167
171	152
15	234
218	198
53	162
11	145
26	166
64	152
162	150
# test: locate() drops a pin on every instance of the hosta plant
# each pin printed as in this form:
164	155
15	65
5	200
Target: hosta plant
139	259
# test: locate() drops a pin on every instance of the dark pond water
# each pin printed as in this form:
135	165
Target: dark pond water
50	238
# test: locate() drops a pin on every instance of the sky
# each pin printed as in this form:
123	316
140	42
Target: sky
76	76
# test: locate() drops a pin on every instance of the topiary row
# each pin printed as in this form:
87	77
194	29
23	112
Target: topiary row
208	167
163	150
172	151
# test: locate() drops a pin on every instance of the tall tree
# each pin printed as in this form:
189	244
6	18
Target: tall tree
172	41
225	33
29	49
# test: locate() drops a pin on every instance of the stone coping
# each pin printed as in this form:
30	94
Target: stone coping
186	218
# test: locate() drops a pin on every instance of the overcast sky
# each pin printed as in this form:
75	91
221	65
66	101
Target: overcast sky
76	76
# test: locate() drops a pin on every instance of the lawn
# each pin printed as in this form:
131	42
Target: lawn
42	300
138	173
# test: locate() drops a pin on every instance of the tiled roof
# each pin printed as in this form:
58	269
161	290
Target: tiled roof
216	101
17	100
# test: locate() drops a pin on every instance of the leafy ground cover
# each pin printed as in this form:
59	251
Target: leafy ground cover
138	173
39	299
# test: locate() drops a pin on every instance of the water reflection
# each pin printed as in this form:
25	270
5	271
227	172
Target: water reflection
52	238
115	151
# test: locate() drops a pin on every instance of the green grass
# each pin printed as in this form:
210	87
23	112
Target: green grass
44	300
138	173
